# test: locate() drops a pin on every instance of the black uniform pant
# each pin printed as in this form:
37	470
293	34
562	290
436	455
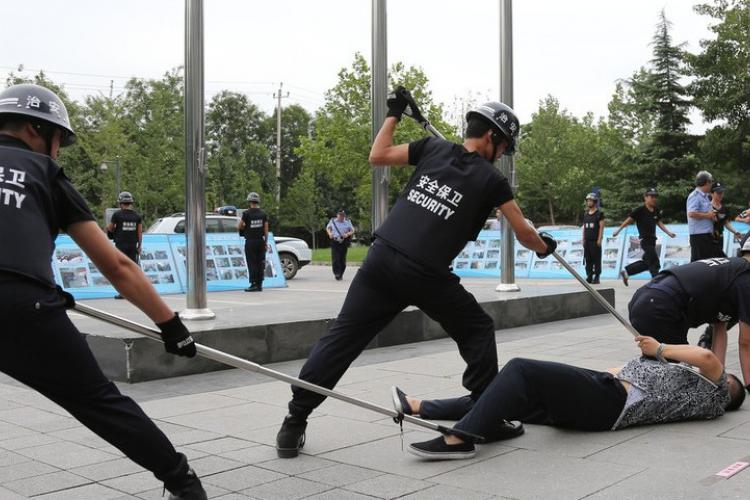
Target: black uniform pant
703	246
129	249
255	253
384	285
338	256
649	262
539	392
41	348
592	255
657	310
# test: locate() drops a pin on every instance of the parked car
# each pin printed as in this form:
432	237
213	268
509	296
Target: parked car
293	252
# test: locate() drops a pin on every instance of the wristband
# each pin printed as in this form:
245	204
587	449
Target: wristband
659	351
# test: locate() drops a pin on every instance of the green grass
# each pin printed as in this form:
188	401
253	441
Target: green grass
356	254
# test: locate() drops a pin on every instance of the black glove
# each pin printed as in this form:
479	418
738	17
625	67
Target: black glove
747	387
397	102
176	337
111	235
241	232
412	109
551	245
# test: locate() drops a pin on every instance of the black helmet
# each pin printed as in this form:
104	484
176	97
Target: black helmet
592	196
125	197
651	192
34	101
703	177
502	118
253	197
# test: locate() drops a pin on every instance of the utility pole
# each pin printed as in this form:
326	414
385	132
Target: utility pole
279	95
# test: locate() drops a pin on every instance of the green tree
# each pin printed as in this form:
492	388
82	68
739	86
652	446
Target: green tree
295	124
302	207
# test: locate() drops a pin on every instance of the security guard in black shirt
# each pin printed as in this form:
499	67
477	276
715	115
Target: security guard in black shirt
591	237
126	229
254	227
715	290
444	204
39	345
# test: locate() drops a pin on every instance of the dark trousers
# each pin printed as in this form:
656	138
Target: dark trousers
592	255
703	246
649	262
386	283
544	393
41	348
338	256
129	249
659	313
255	253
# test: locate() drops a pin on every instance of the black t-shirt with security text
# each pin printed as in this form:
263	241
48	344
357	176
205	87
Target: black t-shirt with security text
646	220
444	204
591	224
126	223
37	201
255	220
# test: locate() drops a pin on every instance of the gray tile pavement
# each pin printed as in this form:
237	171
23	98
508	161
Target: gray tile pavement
226	423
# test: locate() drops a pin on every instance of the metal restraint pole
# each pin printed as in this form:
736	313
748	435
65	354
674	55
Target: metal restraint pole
507	247
195	165
380	175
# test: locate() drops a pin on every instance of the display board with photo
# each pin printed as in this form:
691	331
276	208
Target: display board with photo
482	257
226	267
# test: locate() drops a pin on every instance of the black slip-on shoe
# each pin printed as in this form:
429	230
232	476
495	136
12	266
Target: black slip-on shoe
291	437
624	276
506	430
437	449
192	490
400	404
596	281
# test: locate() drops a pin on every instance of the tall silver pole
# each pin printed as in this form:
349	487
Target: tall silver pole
278	149
380	175
507	247
195	166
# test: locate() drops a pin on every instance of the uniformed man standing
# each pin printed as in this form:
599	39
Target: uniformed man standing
646	218
593	230
444	204
705	291
39	345
126	228
701	218
254	227
340	230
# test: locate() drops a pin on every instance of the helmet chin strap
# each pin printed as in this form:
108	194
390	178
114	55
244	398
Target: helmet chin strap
47	134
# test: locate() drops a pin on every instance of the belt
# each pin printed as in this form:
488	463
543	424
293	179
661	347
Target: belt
669	285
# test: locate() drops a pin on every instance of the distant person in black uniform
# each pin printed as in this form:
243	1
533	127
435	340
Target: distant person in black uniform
39	346
126	229
593	230
646	218
444	204
705	291
341	231
254	227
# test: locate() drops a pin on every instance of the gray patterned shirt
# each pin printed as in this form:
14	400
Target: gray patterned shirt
670	392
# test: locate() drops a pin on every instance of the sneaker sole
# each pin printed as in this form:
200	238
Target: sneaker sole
453	455
397	401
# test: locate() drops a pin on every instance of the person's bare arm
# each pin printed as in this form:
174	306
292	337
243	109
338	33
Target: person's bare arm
526	234
732	229
703	359
122	272
140	236
665	229
719	342
265	235
744	345
383	152
702	215
601	233
628	221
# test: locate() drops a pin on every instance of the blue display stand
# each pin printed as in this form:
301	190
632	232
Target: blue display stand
163	262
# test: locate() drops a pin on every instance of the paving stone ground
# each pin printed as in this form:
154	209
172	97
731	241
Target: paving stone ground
226	424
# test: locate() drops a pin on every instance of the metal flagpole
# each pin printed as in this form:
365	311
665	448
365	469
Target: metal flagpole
195	165
381	175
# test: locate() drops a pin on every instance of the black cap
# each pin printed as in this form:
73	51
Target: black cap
341	211
717	187
651	192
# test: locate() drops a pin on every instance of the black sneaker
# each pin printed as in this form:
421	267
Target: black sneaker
589	279
596	281
252	289
437	449
291	437
400	404
624	276
707	338
192	490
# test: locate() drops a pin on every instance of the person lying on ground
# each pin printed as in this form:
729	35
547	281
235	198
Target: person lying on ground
644	391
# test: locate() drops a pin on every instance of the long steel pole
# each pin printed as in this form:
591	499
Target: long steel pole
243	364
507	246
195	166
379	86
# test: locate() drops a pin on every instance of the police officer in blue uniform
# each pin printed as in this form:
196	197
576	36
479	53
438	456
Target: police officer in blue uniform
444	204
39	345
253	227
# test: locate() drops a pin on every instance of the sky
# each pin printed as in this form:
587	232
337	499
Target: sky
574	50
